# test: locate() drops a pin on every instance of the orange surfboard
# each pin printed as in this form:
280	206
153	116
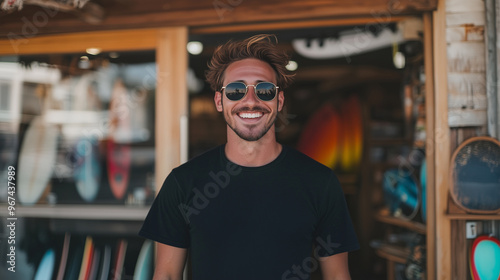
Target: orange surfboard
321	135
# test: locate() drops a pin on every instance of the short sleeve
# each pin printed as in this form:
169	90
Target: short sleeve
165	222
335	232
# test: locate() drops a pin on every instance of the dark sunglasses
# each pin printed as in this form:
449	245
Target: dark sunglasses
265	91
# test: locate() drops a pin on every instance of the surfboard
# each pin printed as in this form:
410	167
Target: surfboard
94	267
484	258
46	266
320	137
87	171
357	112
105	264
118	150
75	257
346	134
144	265
334	137
87	259
120	109
118	164
119	259
36	160
351	134
423	186
64	256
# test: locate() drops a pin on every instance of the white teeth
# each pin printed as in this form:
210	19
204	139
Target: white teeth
250	115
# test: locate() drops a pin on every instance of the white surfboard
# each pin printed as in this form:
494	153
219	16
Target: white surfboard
36	161
144	265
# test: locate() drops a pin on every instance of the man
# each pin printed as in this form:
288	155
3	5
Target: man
252	208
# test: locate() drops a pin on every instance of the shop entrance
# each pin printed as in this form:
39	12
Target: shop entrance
358	106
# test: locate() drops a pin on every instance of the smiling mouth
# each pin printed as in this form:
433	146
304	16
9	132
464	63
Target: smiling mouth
253	115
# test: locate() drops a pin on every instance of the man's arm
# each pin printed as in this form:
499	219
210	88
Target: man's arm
335	267
169	262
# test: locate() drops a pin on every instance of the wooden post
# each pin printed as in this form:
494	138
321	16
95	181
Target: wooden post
171	99
497	85
430	129
440	142
491	68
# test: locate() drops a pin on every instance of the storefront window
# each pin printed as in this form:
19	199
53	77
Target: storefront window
79	128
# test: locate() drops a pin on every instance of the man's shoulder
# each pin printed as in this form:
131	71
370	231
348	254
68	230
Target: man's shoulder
304	162
205	160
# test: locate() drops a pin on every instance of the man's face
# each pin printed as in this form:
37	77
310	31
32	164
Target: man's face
250	118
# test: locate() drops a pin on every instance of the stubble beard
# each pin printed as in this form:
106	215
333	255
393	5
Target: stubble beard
251	135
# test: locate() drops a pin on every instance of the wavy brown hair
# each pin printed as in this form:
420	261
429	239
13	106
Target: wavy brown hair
262	47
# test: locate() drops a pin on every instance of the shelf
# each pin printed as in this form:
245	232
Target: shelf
393	253
384	217
95	227
82	212
473	216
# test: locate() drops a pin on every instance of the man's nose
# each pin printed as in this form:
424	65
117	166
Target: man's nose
250	97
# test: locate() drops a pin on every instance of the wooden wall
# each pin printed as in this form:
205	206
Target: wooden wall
469	105
467	100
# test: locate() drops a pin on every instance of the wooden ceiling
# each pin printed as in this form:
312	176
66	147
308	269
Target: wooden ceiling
34	20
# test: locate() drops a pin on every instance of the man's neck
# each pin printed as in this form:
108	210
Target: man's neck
252	153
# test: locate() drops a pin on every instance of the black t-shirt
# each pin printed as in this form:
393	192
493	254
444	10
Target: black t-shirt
252	222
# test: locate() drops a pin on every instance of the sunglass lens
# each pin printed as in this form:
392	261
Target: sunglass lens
235	91
265	91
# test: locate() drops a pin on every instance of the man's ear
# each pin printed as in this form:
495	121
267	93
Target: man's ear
281	100
218	100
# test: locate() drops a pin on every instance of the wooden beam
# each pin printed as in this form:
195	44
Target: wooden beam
119	40
154	13
171	99
430	130
440	142
311	23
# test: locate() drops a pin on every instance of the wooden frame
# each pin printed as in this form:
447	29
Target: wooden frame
439	140
171	99
430	130
34	21
119	40
172	104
